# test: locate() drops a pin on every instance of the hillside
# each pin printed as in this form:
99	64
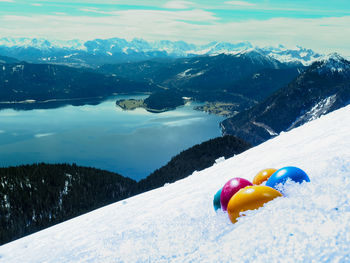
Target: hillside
321	88
37	196
196	158
42	82
40	195
177	222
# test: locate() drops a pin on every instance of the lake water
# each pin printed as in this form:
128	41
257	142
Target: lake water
132	143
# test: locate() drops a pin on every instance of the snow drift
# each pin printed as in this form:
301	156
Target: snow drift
177	223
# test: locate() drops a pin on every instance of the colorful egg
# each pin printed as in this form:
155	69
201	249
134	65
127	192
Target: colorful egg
249	198
216	201
263	175
230	188
285	173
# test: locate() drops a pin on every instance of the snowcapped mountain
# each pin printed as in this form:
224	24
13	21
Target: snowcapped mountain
116	50
177	222
41	43
333	64
295	55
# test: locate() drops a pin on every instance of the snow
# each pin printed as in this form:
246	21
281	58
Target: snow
320	108
42	43
266	127
333	63
187	74
177	223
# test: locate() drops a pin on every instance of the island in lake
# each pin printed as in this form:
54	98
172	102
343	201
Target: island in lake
159	101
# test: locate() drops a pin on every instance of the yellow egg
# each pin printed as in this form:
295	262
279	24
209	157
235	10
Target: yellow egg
249	198
263	175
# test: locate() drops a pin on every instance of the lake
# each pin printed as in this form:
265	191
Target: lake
131	143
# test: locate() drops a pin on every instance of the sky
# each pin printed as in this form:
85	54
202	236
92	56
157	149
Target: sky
322	25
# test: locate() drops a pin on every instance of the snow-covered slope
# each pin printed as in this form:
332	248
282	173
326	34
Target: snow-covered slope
177	223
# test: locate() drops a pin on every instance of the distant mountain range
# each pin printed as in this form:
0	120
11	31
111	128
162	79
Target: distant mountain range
321	88
116	50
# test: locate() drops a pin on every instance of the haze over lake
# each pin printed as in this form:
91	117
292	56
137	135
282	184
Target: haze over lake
132	143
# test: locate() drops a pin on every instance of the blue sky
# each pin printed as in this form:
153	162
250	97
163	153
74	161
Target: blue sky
322	25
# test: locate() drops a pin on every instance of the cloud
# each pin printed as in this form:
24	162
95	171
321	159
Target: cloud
178	5
36	4
144	17
93	10
239	3
10	1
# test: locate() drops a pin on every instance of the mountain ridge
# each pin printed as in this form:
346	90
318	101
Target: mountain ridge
115	50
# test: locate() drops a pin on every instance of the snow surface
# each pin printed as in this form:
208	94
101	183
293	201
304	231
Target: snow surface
177	222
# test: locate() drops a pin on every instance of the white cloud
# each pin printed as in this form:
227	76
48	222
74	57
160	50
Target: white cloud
239	3
145	17
178	5
36	4
10	1
93	10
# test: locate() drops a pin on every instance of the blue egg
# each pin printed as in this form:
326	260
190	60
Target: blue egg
285	173
216	201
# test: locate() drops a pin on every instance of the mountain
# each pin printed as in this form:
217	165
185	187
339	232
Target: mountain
46	82
177	222
5	60
97	52
241	78
297	55
322	88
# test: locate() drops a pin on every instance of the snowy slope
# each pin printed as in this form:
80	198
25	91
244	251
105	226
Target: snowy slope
177	223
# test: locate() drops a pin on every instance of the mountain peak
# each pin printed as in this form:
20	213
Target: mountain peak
333	63
332	57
